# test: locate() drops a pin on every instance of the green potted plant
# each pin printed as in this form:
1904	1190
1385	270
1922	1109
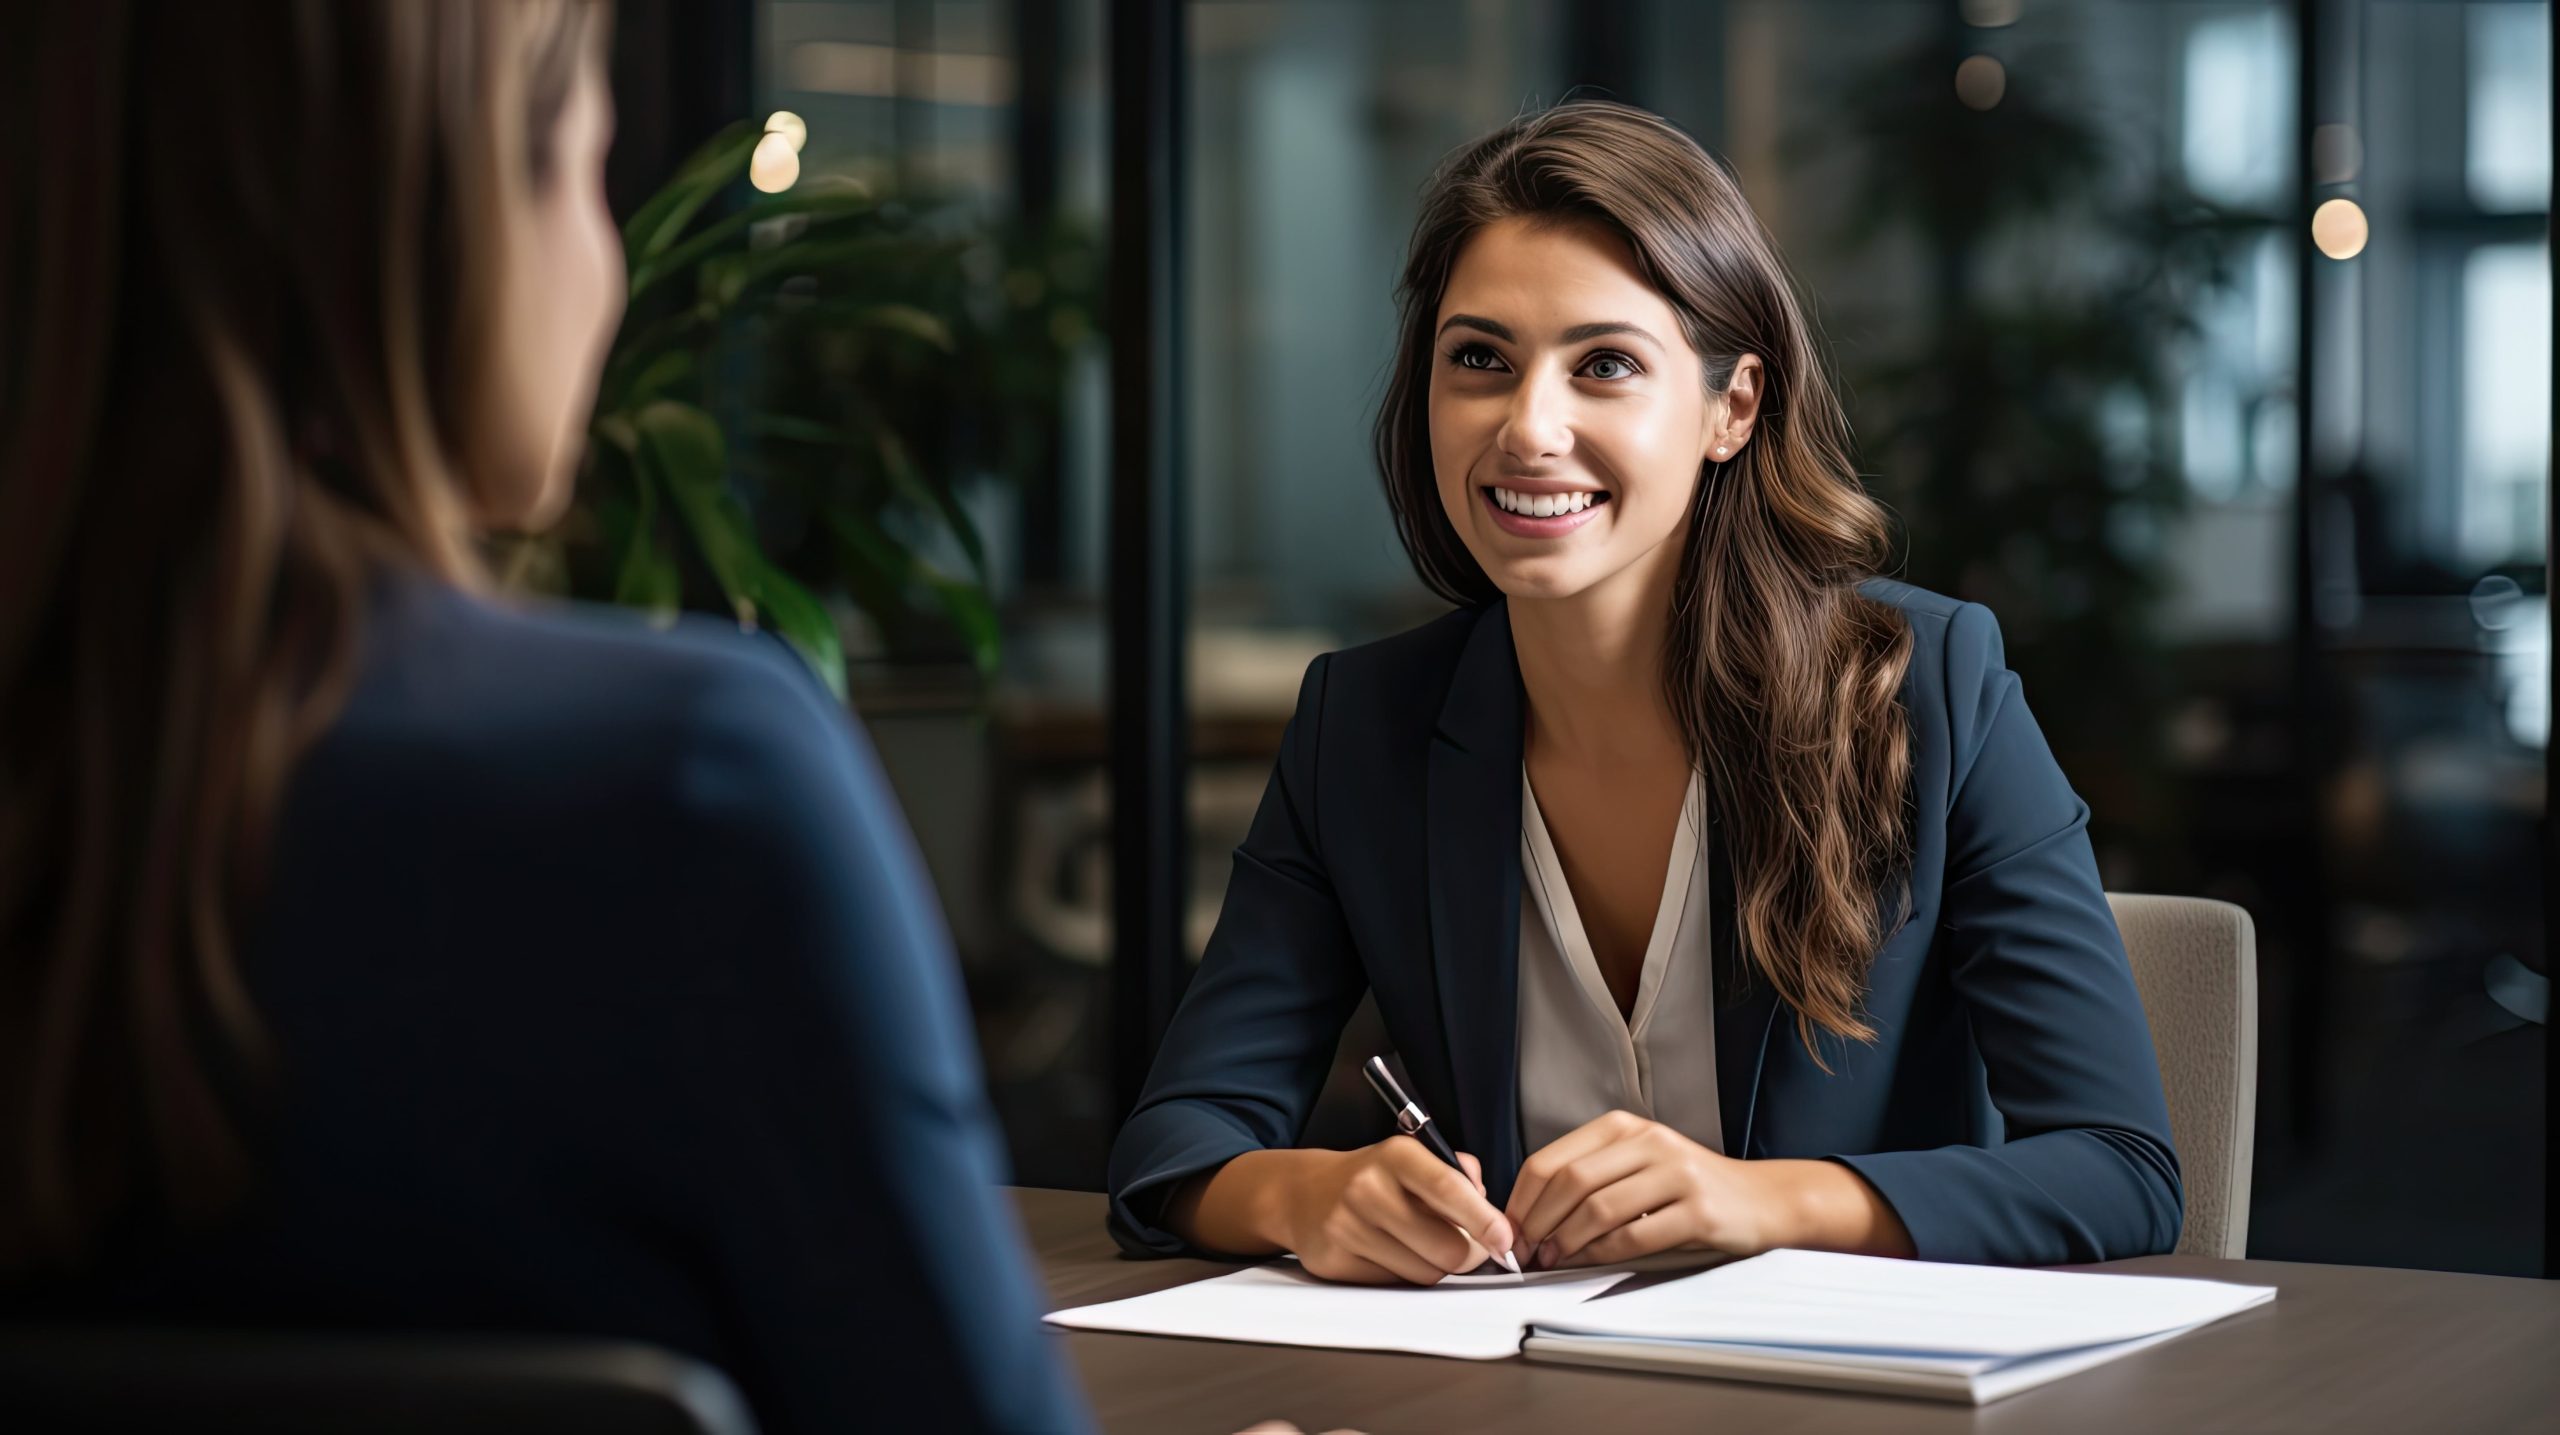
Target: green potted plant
799	384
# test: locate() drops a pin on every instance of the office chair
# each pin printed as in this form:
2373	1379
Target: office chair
2196	962
71	1380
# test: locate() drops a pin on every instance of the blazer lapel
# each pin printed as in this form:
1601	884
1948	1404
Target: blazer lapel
1473	851
1746	1007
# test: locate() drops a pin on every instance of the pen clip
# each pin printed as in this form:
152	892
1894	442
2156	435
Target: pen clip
1383	1082
1410	1117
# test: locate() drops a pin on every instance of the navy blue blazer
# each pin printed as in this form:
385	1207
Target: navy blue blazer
608	996
2009	1108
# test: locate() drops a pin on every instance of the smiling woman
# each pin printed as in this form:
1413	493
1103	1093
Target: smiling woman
1681	765
1612	318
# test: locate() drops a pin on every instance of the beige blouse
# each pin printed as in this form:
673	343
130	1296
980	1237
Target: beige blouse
1580	1059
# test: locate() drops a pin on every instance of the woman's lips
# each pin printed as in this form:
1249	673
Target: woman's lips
1527	527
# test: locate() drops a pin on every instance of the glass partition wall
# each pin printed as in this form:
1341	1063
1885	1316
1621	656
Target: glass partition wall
2208	343
2076	352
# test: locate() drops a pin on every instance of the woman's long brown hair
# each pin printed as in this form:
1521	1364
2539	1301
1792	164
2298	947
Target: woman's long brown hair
246	270
1785	681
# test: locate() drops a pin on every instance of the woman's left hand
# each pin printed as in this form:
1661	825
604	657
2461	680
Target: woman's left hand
1619	1187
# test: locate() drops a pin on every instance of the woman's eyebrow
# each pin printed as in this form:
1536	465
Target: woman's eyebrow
1574	335
1471	321
1580	332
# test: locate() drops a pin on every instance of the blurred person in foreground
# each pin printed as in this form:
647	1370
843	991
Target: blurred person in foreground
378	955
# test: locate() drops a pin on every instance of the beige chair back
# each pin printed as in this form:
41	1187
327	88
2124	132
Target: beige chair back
2196	962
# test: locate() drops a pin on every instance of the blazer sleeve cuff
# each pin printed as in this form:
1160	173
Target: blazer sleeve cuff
1138	1200
1930	1213
2006	1206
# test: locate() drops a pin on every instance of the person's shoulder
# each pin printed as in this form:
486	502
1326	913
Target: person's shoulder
569	648
1916	603
1959	663
1414	664
1374	697
1947	634
567	701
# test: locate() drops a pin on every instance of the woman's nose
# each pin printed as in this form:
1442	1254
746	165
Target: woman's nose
1537	430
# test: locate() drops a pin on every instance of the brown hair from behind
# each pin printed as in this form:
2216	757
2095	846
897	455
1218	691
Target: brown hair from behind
1786	682
244	283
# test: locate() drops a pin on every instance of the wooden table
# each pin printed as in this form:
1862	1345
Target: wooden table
2340	1348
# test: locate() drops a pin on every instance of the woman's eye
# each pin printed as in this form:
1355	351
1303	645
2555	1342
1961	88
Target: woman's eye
1474	356
1609	366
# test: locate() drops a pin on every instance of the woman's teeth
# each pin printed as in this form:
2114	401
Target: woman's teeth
1543	505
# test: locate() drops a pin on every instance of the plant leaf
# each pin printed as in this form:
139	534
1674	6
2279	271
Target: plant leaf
869	547
634	353
721	159
901	470
900	571
644	576
663	372
904	319
647	579
932	497
885	259
823	203
680	447
802	620
615	430
970	612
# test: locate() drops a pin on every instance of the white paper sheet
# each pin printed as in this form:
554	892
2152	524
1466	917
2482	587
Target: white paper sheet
1468	1317
1831	1302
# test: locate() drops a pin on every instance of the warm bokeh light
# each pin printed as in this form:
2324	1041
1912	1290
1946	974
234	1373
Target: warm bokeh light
2339	228
776	165
1980	82
789	125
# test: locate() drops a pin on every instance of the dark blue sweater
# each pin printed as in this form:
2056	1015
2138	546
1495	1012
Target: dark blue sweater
608	996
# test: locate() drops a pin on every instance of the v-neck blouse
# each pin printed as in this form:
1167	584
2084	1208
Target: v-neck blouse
1578	1057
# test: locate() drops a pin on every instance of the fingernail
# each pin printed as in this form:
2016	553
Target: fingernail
1546	1254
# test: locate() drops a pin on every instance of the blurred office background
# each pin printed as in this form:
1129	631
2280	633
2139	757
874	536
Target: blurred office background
2209	343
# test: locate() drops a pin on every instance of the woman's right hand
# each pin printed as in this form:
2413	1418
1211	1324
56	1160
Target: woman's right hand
1387	1213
